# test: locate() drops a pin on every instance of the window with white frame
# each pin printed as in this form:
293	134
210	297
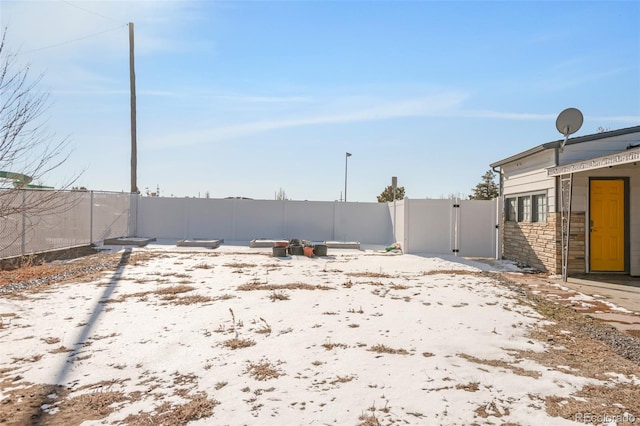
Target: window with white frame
510	209
526	208
539	213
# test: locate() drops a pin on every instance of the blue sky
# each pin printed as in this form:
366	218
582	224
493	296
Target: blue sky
243	98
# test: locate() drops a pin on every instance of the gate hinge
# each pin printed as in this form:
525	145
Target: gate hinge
456	206
456	250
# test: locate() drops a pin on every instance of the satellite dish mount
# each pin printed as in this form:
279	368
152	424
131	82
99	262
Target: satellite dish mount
568	122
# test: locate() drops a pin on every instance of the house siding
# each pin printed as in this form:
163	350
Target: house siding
539	244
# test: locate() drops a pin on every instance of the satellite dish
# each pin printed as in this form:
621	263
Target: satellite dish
568	122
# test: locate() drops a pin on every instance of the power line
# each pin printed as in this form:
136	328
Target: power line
70	41
89	11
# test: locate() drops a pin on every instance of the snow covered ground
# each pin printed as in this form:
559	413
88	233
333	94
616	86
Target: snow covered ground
357	337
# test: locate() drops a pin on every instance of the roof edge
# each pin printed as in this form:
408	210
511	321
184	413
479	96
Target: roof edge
570	141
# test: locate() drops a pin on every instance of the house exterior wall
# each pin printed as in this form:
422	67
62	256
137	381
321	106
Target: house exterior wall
532	244
536	244
580	203
529	175
539	244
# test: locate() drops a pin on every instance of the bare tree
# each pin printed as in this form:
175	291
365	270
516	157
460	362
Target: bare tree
28	151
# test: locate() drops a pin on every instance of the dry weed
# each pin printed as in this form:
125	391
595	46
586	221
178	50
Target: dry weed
469	387
240	265
278	295
203	265
342	379
596	400
452	272
369	274
502	364
367	419
387	350
238	343
253	285
199	406
265	329
191	300
60	350
328	346
264	370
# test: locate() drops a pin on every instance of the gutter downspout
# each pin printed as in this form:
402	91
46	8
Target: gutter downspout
499	174
499	223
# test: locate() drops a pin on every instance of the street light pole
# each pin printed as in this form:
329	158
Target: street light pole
346	158
394	185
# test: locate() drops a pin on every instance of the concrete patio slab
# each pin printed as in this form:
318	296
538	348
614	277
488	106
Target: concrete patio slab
127	241
200	243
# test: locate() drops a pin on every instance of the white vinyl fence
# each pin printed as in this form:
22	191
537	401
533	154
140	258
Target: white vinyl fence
35	220
461	227
245	220
465	228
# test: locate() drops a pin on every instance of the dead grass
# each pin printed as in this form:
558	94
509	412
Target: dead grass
23	406
32	270
191	300
502	364
278	295
237	343
60	350
342	379
329	346
469	387
399	287
596	400
240	265
491	409
369	274
225	296
384	349
253	285
167	293
367	419
263	370
203	265
198	406
265	329
452	272
51	340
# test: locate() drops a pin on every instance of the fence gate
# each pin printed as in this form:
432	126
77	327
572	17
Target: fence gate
460	227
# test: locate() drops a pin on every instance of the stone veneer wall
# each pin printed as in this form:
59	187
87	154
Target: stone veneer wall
538	244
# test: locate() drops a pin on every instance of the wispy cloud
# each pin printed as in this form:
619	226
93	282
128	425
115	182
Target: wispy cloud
442	106
567	79
428	106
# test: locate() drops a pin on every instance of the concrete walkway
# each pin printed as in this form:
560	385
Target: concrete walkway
623	295
605	301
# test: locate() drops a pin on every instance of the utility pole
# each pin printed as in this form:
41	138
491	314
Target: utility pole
346	158
134	143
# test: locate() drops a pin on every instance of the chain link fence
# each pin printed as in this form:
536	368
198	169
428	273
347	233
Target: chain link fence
37	220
